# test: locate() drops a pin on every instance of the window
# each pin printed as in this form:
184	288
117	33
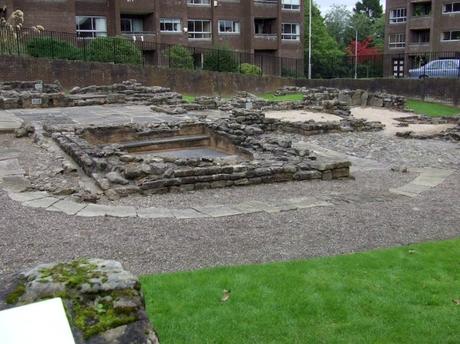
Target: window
452	7
229	26
397	40
131	25
290	32
451	36
291	4
398	15
199	29
170	25
198	2
89	27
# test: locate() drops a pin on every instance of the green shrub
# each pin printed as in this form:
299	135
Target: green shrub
180	57
220	60
52	48
250	69
288	72
114	49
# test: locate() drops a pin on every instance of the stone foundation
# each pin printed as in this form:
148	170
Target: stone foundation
126	159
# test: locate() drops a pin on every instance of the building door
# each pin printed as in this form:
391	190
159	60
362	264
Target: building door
398	67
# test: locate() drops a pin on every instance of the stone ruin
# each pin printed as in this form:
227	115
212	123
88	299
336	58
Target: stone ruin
243	149
36	94
450	134
321	97
103	302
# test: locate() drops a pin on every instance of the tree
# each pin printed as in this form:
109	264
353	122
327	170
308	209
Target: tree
371	8
220	59
180	57
338	20
365	50
327	56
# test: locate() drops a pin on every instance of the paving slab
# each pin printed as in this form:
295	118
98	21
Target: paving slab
187	213
253	207
9	153
218	210
41	202
68	207
10	167
17	183
154	213
27	196
414	188
93	210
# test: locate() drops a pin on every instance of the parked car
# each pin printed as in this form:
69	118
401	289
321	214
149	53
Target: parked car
437	69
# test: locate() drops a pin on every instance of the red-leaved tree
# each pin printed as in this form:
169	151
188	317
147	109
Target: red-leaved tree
365	50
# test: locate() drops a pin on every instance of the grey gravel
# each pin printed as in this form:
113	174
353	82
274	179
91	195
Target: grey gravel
363	215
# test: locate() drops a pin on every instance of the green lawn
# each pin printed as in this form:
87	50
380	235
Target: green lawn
401	295
188	99
287	97
431	109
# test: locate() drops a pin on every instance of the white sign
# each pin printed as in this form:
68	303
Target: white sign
43	322
36	101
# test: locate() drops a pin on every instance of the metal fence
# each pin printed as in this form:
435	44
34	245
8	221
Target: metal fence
58	45
398	65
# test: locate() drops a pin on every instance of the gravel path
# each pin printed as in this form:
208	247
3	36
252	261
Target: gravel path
364	216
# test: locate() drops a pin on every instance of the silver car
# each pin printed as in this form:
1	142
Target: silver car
437	69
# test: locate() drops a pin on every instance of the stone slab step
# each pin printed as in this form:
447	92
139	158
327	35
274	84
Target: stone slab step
167	140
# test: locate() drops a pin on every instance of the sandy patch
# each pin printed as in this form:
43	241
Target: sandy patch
301	116
387	117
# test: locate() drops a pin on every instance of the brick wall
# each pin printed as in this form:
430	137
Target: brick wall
74	73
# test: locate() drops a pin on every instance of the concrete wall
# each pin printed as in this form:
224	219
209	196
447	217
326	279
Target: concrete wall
74	73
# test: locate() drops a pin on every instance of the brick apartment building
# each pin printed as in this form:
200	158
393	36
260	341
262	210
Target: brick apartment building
417	31
260	27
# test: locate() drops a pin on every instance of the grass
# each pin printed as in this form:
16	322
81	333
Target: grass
402	295
288	97
431	109
189	99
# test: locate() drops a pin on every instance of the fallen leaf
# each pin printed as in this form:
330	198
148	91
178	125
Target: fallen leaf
457	302
226	295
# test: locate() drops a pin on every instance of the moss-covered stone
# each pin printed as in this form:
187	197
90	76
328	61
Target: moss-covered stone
13	297
98	295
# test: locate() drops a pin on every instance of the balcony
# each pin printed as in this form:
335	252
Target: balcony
137	7
266	8
145	36
266	41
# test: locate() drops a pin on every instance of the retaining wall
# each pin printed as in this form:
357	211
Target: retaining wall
80	73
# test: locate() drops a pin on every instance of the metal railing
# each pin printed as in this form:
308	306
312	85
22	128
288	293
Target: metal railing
125	49
58	45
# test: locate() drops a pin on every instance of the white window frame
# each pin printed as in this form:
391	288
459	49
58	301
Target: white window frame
290	5
444	6
198	2
132	21
173	22
398	19
199	35
290	37
450	35
234	24
94	32
399	42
